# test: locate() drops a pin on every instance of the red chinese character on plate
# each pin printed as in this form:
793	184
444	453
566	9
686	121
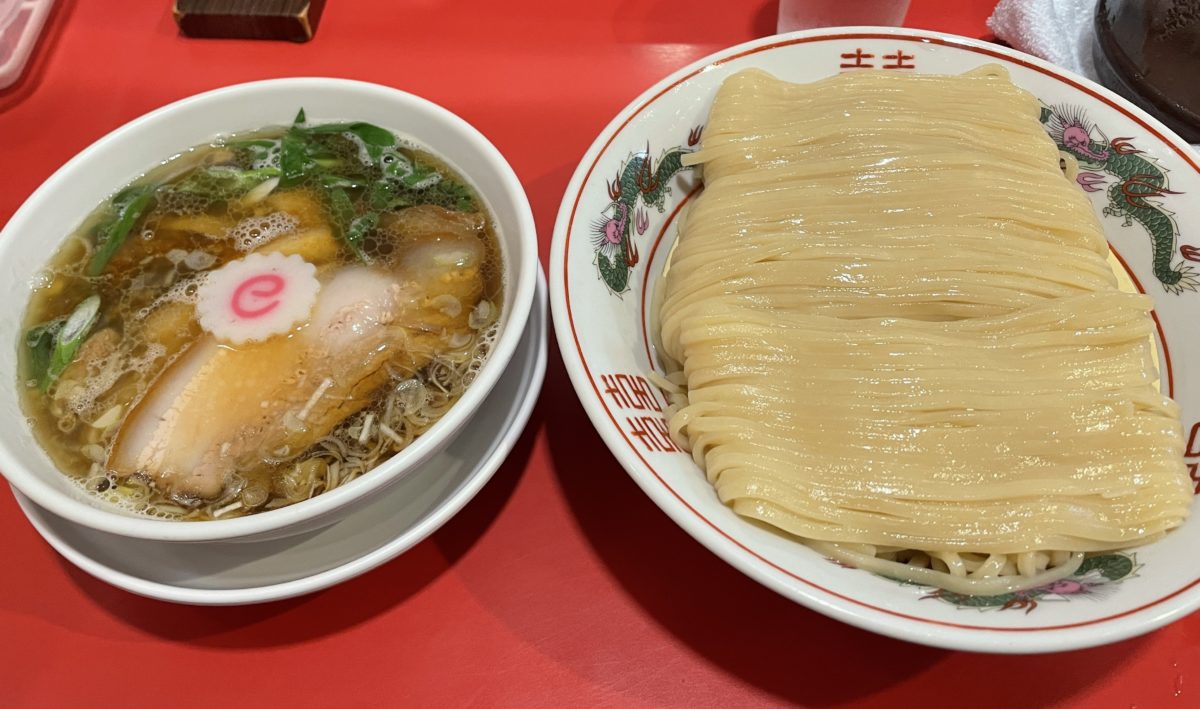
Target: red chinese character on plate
858	55
899	60
653	432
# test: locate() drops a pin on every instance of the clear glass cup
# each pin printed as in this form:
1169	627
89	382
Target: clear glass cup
806	14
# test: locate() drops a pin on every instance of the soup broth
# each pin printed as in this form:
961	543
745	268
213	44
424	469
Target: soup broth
260	320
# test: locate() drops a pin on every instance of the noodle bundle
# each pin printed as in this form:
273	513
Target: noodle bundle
893	332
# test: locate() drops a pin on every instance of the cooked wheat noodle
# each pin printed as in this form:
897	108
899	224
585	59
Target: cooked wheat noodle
891	330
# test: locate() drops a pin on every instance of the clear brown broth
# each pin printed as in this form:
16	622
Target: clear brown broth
138	283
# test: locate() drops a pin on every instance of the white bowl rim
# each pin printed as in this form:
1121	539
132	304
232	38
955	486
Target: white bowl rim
960	636
524	287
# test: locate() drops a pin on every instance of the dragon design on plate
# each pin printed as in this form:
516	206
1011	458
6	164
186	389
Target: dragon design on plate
1095	578
1136	187
642	182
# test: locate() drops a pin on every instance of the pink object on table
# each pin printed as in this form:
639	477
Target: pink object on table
20	24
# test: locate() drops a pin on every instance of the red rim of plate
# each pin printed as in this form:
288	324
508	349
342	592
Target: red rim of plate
899	36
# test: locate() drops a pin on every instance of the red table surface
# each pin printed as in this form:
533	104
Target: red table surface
561	583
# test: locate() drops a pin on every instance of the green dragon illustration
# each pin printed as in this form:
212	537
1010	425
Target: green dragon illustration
643	179
1094	577
1140	181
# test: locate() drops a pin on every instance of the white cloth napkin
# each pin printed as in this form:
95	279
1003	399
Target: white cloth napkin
1059	31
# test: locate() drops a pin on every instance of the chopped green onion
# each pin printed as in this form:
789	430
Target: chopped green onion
39	343
129	206
48	362
358	231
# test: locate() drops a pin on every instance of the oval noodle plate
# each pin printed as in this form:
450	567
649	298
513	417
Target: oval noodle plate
616	225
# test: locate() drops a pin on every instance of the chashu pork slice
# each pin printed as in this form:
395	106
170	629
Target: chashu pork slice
219	406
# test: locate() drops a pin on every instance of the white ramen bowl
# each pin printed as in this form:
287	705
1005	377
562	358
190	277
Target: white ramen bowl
60	204
602	321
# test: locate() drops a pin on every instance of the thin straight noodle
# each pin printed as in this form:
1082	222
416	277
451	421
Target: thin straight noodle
991	586
890	329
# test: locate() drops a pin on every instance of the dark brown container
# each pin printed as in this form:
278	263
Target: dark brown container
294	20
1149	52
